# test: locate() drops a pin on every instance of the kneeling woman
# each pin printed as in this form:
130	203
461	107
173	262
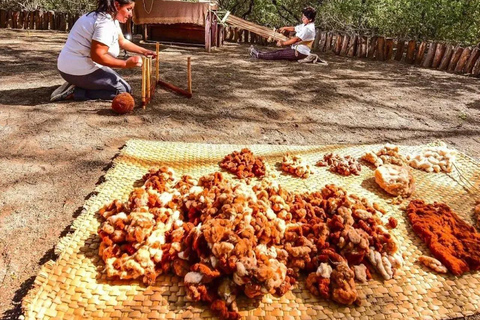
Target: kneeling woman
299	45
91	50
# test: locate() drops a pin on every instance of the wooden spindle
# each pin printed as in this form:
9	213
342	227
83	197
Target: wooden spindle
189	75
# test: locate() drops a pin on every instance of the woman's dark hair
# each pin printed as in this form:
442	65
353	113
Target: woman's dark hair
108	6
310	13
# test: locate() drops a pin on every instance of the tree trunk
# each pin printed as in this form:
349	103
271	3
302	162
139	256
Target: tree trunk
31	20
471	61
400	49
420	53
346	40
352	46
447	56
463	60
455	57
380	53
372	46
427	63
338	44
437	59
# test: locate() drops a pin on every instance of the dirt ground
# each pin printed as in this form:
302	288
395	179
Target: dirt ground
53	154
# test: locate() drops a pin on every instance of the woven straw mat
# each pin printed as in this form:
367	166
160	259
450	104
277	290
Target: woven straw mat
75	287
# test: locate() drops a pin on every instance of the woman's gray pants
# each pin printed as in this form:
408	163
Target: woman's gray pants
102	84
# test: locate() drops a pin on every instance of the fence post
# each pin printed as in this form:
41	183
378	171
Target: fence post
438	55
427	63
447	56
463	60
457	52
471	61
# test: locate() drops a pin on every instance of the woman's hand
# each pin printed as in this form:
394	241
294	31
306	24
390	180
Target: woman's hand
134	61
148	53
280	43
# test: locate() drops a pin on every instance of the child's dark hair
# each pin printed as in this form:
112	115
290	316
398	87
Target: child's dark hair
108	6
310	13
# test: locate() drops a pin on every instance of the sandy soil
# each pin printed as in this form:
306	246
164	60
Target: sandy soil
53	154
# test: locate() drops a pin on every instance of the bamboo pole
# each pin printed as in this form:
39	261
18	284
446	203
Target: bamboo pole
189	76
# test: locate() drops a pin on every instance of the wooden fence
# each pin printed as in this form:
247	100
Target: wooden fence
427	54
37	20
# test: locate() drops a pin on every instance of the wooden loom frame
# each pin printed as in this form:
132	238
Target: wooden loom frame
148	88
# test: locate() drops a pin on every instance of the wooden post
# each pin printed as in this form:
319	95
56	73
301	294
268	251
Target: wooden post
338	44
320	45
157	62
31	20
437	59
389	49
380	53
463	60
476	68
328	45
51	20
9	19
144	81
15	17
346	40
420	53
352	46
189	75
39	20
427	63
410	57
447	56
471	61
221	35
208	29
3	18
400	49
372	47
455	57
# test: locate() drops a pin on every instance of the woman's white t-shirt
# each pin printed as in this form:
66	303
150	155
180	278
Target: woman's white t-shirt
75	59
306	32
